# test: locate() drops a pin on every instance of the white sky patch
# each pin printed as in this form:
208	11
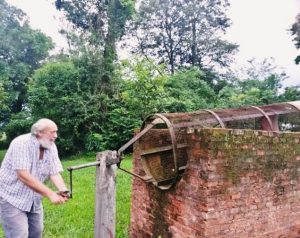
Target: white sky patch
43	16
260	27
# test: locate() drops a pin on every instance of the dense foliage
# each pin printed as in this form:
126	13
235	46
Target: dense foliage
21	51
3	97
98	101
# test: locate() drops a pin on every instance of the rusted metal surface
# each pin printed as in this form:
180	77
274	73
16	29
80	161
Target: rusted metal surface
139	135
157	157
271	125
163	149
217	117
295	104
199	118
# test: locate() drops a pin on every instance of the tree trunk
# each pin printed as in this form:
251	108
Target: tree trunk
194	44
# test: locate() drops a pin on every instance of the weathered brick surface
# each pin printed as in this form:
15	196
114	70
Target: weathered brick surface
238	183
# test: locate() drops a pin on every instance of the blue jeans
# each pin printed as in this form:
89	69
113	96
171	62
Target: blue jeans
19	224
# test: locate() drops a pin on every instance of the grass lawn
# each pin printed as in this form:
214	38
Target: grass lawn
76	218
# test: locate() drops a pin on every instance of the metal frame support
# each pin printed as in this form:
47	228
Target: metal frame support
160	119
216	116
269	121
295	104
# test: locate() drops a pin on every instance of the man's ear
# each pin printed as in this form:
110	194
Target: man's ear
38	134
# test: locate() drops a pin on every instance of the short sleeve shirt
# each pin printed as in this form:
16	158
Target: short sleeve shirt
23	154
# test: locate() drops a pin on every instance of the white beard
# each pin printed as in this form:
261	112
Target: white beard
45	143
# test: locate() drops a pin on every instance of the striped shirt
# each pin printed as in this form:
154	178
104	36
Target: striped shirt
23	153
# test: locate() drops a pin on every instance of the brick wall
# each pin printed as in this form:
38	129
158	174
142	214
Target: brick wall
238	183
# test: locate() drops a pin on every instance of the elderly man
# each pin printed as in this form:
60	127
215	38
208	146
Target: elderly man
29	161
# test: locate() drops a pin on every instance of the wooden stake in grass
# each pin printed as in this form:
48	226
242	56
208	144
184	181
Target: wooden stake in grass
105	202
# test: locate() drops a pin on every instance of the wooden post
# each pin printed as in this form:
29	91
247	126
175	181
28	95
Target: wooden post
105	204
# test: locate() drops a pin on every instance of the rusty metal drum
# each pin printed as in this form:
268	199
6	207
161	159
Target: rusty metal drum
162	140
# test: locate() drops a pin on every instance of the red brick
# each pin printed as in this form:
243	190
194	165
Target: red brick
207	203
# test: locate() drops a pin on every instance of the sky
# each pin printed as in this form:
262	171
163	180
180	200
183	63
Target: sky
43	16
260	27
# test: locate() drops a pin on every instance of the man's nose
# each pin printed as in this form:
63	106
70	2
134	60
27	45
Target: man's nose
55	135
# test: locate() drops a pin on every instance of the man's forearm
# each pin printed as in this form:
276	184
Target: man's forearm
30	181
58	181
37	186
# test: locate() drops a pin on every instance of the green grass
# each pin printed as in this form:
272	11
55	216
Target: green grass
76	217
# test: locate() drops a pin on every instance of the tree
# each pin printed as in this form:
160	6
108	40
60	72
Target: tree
295	30
187	91
290	94
259	83
183	33
100	24
21	52
142	87
3	97
61	92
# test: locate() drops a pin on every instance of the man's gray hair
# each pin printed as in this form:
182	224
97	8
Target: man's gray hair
41	125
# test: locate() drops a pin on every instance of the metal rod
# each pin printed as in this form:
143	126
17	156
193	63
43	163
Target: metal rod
162	149
266	116
217	117
83	166
145	179
226	118
70	169
134	139
71	184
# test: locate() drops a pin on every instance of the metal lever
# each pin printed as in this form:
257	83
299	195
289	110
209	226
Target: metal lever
70	169
130	142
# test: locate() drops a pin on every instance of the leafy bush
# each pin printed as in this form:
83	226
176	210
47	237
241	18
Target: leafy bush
95	142
188	91
119	127
59	92
19	124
